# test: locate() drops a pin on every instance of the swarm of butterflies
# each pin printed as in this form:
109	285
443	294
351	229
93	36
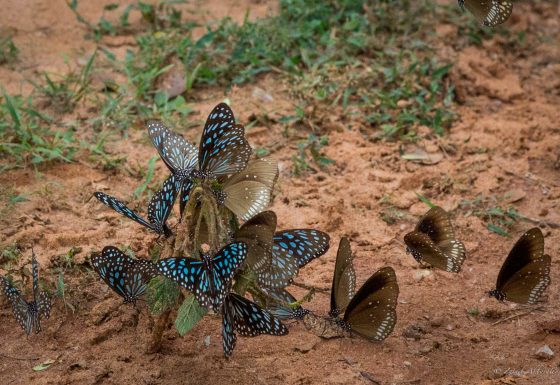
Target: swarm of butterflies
244	187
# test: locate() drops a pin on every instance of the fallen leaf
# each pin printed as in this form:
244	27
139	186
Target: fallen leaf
43	366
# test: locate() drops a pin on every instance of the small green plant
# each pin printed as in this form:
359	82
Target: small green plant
310	149
8	50
26	135
63	94
499	218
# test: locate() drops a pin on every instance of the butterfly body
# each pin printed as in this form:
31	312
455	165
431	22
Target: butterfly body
28	314
126	276
433	242
525	274
209	279
371	311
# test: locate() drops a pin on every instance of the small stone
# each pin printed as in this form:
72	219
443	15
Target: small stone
414	331
421	274
449	327
407	364
206	341
544	353
307	344
436	322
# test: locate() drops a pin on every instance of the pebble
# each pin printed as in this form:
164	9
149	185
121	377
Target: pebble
422	274
544	353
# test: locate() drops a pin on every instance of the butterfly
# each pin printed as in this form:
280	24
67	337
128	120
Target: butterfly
209	279
371	313
284	305
28	314
248	319
159	208
433	241
223	149
488	12
128	277
276	257
344	279
525	274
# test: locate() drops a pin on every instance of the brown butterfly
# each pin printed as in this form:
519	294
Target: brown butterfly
488	12
525	274
433	242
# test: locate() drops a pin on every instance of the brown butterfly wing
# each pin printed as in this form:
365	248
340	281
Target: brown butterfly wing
490	12
528	284
424	249
372	311
525	273
437	225
344	279
257	232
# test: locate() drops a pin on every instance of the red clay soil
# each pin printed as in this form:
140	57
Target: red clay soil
506	140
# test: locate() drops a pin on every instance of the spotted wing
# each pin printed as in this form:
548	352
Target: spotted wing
489	12
44	304
344	279
121	208
126	276
177	153
246	199
372	311
224	265
436	223
425	250
302	244
185	194
248	319
525	273
20	308
223	149
161	204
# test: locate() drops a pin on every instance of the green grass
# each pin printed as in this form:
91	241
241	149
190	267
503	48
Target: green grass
498	216
8	51
310	154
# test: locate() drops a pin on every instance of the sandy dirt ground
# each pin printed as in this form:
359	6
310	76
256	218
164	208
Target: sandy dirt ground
505	143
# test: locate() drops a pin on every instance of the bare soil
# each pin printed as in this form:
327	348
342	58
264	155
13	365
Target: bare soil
506	140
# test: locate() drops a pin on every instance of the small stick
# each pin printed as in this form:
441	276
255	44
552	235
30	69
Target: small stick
310	287
518	315
17	358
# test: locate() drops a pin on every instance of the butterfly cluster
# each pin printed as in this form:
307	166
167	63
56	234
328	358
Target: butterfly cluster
243	186
28	314
255	257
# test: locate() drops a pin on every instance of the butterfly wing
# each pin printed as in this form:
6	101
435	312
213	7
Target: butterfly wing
223	149
161	204
263	171
44	304
187	272
282	304
303	244
229	339
224	266
525	273
35	273
436	223
489	12
372	311
257	233
126	276
246	199
448	258
20	307
121	208
185	194
177	153
344	279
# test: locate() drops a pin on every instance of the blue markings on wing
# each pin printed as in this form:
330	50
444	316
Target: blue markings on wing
303	244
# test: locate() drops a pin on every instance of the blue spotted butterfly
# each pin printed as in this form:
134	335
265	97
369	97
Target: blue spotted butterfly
223	149
208	279
28	314
159	208
284	305
126	276
248	319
